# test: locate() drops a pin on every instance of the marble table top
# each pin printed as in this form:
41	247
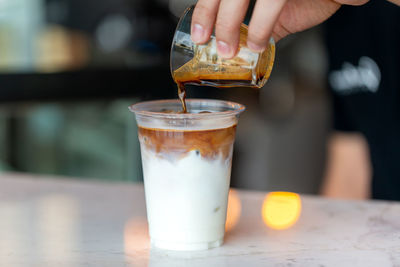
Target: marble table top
68	222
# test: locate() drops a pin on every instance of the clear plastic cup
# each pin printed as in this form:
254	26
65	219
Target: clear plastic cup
186	161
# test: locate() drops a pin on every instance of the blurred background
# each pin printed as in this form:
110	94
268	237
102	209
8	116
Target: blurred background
69	69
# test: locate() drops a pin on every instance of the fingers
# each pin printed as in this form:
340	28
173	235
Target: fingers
203	20
265	14
230	16
227	15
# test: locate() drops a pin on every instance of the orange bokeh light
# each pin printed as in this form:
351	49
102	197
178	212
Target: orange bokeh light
234	210
281	210
136	236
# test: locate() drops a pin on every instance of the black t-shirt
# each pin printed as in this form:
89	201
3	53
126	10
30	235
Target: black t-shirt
364	75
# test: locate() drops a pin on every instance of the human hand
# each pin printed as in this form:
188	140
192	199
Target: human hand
276	18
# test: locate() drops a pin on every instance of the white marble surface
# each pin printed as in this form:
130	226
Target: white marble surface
62	222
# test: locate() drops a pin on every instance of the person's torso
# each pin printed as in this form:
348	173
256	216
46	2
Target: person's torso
364	75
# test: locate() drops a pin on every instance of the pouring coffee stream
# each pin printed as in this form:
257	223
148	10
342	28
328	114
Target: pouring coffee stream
187	75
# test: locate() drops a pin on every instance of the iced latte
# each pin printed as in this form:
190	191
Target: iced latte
186	161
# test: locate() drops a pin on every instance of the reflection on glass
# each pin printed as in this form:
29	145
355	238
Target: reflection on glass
136	239
234	210
281	210
58	228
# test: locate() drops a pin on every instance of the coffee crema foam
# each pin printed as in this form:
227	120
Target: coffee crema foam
208	144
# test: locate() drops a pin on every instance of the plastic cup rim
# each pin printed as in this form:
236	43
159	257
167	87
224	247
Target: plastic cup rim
236	109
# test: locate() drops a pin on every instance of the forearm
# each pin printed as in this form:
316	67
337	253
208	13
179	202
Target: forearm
348	169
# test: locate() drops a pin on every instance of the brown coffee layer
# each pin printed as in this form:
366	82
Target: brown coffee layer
208	143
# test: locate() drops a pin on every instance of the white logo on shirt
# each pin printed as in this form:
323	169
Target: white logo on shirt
351	79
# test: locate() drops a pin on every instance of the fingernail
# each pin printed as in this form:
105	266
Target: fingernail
255	47
197	33
223	49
